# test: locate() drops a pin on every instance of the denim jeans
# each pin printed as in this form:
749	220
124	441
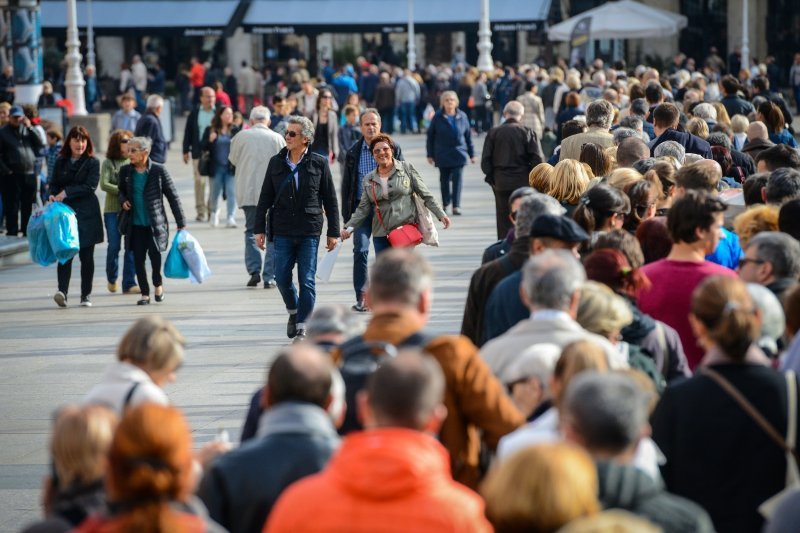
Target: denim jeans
408	115
451	176
380	244
303	252
223	179
252	255
112	255
361	237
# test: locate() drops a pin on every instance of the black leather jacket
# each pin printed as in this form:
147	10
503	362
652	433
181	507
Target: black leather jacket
19	148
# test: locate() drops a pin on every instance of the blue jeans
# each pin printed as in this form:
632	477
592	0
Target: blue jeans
448	176
380	244
252	255
223	179
303	252
408	112
361	237
112	255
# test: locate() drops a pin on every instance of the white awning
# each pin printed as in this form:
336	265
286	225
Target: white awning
625	19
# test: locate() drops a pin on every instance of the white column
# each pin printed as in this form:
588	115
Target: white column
412	46
745	38
74	81
90	59
485	63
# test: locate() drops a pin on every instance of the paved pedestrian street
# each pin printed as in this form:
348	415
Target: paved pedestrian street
50	357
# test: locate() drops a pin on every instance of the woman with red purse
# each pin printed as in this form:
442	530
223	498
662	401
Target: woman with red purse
388	199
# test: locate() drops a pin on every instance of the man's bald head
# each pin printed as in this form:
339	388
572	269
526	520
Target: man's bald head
703	175
757	130
300	373
630	151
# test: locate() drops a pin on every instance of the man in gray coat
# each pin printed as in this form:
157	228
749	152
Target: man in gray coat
251	151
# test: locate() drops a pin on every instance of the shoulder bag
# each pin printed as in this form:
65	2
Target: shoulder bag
424	217
204	163
788	445
404	236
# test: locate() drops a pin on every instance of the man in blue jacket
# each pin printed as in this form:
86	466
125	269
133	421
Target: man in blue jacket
665	122
150	126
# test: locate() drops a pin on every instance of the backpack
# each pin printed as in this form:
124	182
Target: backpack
640	360
358	360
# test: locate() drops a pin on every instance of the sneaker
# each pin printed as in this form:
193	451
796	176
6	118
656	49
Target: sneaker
85	301
232	223
300	337
291	326
200	218
456	210
132	290
254	280
360	307
214	217
113	286
60	298
271	284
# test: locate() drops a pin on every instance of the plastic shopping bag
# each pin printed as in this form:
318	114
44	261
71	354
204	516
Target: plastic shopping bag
175	266
326	262
61	226
38	244
193	254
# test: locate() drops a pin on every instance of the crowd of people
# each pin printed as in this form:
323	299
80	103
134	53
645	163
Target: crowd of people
629	346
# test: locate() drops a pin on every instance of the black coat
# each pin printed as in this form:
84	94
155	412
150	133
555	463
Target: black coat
150	126
298	213
159	184
510	151
350	183
79	180
19	148
192	140
692	144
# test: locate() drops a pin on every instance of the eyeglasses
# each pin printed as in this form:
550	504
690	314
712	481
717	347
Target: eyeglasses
291	134
744	260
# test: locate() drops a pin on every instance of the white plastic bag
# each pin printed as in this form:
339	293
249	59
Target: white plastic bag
326	262
193	254
425	222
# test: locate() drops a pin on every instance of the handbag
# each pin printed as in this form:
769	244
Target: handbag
204	163
425	222
788	445
124	222
404	236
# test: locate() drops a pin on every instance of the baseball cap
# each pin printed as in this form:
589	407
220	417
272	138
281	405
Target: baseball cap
16	111
558	227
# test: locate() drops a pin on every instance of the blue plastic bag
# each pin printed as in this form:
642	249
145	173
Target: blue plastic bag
62	230
176	266
38	244
193	254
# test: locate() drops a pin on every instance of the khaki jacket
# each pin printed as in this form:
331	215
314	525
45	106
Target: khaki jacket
571	146
399	208
250	153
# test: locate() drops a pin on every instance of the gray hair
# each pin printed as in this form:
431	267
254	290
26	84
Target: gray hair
718	138
692	158
608	410
537	361
338	319
140	143
446	94
551	278
154	101
639	107
633	122
671	149
773	322
599	113
779	249
371	110
260	113
620	134
514	110
400	276
705	111
306	127
531	208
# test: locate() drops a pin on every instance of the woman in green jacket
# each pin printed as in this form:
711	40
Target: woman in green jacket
116	158
390	187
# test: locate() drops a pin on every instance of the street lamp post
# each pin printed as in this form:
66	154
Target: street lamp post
89	35
74	81
485	63
412	46
745	38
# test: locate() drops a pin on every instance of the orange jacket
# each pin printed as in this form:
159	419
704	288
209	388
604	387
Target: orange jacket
389	479
477	403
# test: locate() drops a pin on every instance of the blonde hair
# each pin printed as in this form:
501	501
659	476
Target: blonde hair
541	177
576	357
611	521
697	127
570	181
739	123
588	169
601	311
755	220
559	485
722	113
152	343
623	177
80	442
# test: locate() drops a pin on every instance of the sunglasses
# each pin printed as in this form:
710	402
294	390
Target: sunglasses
291	134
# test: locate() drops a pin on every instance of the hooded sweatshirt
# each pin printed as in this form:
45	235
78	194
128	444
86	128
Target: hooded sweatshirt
626	487
382	478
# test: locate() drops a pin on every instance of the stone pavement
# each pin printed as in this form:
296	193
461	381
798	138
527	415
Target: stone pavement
51	356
